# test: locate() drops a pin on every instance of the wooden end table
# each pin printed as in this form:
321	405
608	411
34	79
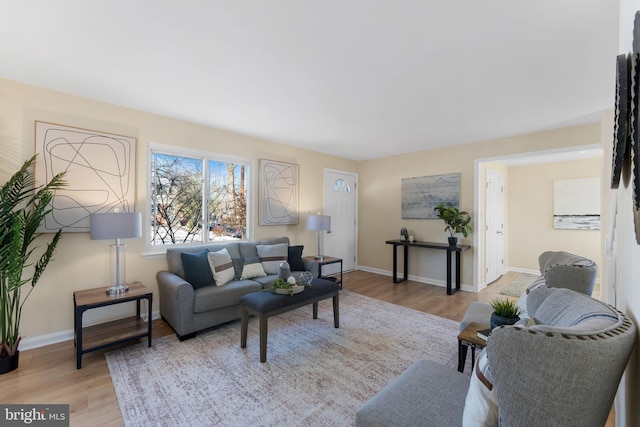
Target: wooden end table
469	338
98	337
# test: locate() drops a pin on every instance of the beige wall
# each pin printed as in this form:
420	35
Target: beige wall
531	229
82	263
379	209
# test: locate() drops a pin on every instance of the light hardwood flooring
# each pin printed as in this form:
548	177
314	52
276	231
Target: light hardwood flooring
48	375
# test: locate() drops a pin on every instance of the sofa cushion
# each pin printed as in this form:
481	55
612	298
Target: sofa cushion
221	266
252	268
555	309
294	257
215	297
480	407
271	256
196	269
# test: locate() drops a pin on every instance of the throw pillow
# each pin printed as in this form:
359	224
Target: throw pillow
271	256
480	407
196	269
294	257
252	268
221	266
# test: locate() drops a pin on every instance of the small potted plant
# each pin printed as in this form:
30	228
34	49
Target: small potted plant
505	312
457	221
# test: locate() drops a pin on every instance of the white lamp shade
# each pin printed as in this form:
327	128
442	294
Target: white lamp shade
319	222
115	225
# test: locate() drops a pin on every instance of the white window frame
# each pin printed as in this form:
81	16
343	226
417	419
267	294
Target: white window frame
206	156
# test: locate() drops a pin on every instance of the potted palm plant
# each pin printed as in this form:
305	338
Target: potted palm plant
23	207
456	221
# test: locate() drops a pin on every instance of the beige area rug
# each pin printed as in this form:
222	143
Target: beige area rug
315	374
517	287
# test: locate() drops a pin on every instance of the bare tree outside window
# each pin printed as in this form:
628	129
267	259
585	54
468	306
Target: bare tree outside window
177	188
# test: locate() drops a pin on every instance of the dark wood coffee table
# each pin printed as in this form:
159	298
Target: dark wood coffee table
266	304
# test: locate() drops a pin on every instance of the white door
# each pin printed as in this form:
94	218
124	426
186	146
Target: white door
494	238
340	203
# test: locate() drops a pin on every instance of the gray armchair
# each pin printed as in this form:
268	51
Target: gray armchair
562	370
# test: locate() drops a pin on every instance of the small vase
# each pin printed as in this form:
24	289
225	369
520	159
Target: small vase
453	241
9	363
499	320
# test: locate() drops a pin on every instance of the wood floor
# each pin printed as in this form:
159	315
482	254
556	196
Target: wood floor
48	375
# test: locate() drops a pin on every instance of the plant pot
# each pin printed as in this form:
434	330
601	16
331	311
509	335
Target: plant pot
9	363
453	241
499	320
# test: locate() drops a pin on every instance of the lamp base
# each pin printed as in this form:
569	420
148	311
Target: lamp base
319	257
116	290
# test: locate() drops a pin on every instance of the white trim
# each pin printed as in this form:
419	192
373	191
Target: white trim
420	279
153	251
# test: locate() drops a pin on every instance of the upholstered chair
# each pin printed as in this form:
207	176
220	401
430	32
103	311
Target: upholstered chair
561	369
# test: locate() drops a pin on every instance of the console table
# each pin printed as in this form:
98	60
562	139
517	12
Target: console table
428	245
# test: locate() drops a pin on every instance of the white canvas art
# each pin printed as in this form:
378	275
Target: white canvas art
100	174
576	204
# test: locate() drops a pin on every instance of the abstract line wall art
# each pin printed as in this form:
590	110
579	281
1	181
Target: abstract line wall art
100	174
278	193
421	194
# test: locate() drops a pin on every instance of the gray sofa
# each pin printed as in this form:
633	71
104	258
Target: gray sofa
561	368
190	298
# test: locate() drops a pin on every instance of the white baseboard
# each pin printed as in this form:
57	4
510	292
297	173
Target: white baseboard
420	279
57	337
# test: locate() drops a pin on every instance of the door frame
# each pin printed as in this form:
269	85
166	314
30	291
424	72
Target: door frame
356	190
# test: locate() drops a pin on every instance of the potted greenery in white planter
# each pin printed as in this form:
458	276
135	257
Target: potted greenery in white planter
456	221
23	207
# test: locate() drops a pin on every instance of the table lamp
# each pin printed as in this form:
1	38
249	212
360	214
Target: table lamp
319	223
116	225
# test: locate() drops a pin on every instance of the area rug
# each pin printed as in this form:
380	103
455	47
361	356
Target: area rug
315	374
517	287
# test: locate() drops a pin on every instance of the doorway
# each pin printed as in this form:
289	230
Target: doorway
340	203
494	237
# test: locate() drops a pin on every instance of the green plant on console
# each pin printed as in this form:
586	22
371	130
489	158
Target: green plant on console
504	307
23	207
457	221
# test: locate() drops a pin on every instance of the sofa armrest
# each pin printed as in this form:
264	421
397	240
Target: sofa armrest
312	266
176	301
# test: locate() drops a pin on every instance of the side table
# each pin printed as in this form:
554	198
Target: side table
98	337
469	338
326	260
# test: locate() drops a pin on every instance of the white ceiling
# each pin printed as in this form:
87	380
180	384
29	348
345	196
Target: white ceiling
359	79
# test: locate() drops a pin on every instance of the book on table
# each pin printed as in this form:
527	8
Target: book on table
484	333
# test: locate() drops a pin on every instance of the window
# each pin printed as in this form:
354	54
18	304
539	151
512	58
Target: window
196	197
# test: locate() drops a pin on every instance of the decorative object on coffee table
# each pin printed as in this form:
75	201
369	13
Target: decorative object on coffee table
23	206
456	221
505	312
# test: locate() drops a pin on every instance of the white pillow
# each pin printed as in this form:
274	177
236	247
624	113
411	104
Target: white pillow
480	407
221	266
272	255
252	268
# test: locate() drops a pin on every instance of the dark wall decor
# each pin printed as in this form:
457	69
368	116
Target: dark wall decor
621	135
635	123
